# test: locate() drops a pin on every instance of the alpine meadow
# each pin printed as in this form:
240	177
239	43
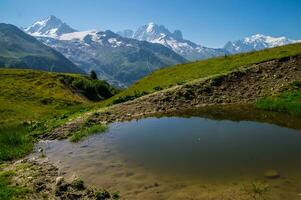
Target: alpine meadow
175	100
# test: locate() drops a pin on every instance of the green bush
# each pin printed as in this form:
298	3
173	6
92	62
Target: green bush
93	89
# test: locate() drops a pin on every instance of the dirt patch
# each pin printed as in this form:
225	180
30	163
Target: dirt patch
44	181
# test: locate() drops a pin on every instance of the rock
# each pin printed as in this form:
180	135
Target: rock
156	185
59	180
272	174
40	150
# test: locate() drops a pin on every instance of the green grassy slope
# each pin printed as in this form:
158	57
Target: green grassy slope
182	73
39	101
31	95
36	95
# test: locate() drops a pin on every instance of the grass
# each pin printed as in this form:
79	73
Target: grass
14	142
257	190
30	95
183	73
27	96
86	131
8	191
34	102
288	101
17	140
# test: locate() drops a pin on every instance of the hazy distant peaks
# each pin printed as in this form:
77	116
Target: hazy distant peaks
256	42
126	33
54	28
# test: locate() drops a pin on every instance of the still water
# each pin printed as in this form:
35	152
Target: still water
185	158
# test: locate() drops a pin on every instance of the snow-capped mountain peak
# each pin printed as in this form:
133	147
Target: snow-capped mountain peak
150	32
256	42
271	41
155	33
49	27
150	27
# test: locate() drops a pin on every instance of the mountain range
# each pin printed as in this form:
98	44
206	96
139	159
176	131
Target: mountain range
20	50
174	40
119	60
126	56
257	42
154	33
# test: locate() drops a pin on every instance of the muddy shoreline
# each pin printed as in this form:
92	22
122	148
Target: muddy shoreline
44	180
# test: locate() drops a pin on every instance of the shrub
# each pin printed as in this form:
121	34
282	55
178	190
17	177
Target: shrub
94	89
90	87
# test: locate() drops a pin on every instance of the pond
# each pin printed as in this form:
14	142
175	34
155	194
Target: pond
181	157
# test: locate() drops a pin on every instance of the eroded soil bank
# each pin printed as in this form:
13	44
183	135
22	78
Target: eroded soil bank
242	87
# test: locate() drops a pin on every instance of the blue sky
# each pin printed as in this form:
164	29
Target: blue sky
208	22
